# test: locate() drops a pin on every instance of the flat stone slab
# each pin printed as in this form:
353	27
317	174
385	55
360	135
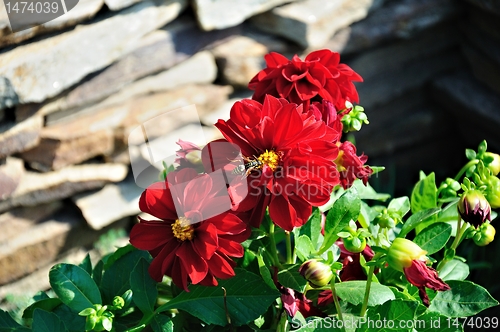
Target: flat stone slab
38	188
311	23
220	14
11	173
43	69
17	137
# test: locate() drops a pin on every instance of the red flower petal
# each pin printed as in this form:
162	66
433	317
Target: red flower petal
195	266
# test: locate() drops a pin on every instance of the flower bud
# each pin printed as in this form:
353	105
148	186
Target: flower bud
493	192
388	218
354	244
494	166
474	208
118	302
316	272
485	235
403	252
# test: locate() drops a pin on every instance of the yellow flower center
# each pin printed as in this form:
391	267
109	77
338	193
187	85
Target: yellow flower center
269	158
182	229
339	161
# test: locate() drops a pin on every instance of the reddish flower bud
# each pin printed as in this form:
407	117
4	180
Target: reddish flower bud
474	208
403	252
316	272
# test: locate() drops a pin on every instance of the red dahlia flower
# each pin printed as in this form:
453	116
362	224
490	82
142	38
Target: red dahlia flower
351	166
319	76
289	157
193	240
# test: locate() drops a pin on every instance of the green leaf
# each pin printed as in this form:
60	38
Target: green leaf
354	292
424	194
8	324
433	321
74	286
143	287
318	324
304	247
454	270
291	278
86	264
434	237
415	219
97	272
45	304
44	321
119	253
116	279
400	204
345	209
470	154
367	192
463	299
73	321
264	272
399	312
162	323
312	228
247	297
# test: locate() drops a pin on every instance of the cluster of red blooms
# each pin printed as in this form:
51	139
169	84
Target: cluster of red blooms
288	137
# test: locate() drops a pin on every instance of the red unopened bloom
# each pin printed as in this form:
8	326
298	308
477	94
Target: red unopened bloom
195	237
289	159
423	276
189	155
351	166
406	256
326	111
319	76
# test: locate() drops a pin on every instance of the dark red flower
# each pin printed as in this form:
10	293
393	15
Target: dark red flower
326	112
289	156
422	276
351	166
294	301
196	236
319	76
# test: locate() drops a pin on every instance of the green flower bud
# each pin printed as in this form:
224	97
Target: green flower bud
493	192
316	272
403	252
474	208
90	322
494	165
354	120
485	235
118	302
388	218
354	244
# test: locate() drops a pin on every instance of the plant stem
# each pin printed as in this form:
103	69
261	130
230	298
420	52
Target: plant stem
465	168
458	238
367	290
337	304
274	249
289	258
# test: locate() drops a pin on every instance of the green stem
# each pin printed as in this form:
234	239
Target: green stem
367	290
337	304
289	255
465	168
458	238
274	249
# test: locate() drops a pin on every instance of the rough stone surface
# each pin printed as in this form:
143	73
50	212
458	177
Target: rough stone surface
17	137
220	14
120	4
159	51
8	97
311	23
406	64
460	93
43	69
10	175
68	144
37	188
395	20
109	204
85	9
